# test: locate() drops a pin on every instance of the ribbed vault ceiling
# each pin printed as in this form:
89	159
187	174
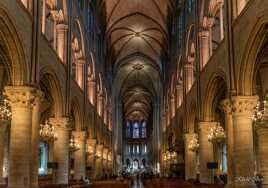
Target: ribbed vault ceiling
138	33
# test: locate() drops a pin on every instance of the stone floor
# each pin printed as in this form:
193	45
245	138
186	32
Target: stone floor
137	184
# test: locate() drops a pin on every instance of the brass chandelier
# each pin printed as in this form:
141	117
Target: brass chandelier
47	132
5	110
193	145
73	146
216	134
260	110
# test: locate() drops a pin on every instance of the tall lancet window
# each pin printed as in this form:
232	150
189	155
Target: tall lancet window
136	131
128	130
143	130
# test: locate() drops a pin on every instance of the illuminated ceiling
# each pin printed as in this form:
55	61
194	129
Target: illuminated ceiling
138	33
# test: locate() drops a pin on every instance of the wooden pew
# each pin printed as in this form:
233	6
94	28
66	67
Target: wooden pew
110	183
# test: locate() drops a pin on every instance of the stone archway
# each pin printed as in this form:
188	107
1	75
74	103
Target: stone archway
12	54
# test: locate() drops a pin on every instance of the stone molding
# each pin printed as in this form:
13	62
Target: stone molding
244	105
60	122
189	136
226	106
79	135
22	96
205	126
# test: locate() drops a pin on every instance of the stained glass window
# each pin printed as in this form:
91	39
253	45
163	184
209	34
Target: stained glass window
136	132
143	130
128	130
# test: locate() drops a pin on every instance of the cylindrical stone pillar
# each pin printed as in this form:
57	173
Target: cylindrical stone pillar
80	64
105	159
98	165
240	5
62	41
205	151
243	108
3	126
91	150
80	155
35	139
179	95
172	104
190	157
227	108
100	105
61	149
21	100
262	152
189	75
92	91
204	47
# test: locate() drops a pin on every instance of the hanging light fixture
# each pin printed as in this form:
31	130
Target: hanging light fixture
73	146
260	110
47	132
90	149
193	145
216	134
164	156
5	110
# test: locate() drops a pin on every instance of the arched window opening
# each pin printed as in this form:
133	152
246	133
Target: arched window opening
128	130
217	28
143	130
136	132
48	22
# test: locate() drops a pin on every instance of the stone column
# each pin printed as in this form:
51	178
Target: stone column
105	158
100	105
243	108
210	23
262	132
227	108
189	75
172	104
21	100
80	155
98	165
92	91
190	157
61	149
80	72
179	95
167	116
240	5
205	151
6	156
35	139
62	30
204	47
105	114
3	126
91	149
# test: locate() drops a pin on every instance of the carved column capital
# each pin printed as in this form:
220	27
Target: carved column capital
105	153
244	105
204	33
79	135
81	61
60	122
61	27
179	86
21	96
190	136
226	106
91	142
57	15
99	150
205	126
